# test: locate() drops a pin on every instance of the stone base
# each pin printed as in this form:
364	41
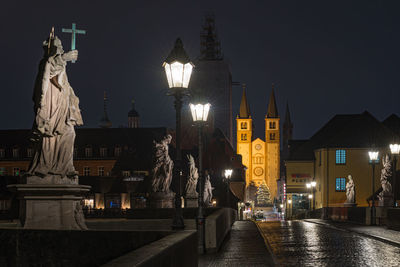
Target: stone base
161	200
350	204
386	201
191	201
52	179
51	206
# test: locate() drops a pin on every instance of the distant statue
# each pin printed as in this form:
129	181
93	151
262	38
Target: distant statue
57	111
191	184
207	190
350	190
162	166
385	174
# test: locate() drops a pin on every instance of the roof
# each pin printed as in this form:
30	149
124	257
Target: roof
345	131
244	111
272	109
393	123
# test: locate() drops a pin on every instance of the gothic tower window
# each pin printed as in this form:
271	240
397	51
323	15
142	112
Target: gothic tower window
271	136
243	137
243	125
272	125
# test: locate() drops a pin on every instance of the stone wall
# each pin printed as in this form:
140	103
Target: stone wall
393	218
218	225
20	247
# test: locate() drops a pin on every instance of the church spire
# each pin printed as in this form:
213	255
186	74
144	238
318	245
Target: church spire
244	111
272	110
105	122
210	47
133	117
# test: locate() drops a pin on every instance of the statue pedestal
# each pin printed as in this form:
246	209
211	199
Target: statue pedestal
386	201
192	201
349	204
51	206
161	200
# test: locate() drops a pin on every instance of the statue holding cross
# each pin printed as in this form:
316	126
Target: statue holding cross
73	31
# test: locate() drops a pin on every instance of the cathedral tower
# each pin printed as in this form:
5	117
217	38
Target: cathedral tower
272	147
105	121
133	117
244	134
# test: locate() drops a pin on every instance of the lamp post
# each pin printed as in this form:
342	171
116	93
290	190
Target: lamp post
395	150
373	156
178	70
228	175
313	185
199	115
308	185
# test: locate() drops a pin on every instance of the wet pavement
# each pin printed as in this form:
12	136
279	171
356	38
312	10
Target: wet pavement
301	243
244	247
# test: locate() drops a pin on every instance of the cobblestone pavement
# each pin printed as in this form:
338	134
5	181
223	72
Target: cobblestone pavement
301	243
244	247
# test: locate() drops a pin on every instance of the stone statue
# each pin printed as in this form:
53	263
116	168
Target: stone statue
385	174
191	184
57	111
163	165
207	190
350	191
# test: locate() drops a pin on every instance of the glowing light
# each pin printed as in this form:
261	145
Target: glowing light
310	196
313	183
289	201
395	149
373	155
200	111
308	185
228	173
281	205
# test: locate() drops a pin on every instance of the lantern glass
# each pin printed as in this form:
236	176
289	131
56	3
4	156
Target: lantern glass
200	111
395	149
310	196
178	74
373	155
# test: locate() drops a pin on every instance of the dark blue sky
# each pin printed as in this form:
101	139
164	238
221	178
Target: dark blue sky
324	58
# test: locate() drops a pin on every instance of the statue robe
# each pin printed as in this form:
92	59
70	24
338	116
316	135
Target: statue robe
56	114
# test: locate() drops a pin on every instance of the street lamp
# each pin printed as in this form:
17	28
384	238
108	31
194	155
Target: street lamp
373	157
228	175
178	69
395	150
313	185
199	115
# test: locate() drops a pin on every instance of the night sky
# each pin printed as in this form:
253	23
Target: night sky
325	58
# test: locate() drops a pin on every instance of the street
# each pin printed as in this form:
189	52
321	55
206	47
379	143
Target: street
300	243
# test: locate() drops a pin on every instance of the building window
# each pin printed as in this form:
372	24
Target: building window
2	153
271	136
86	171
243	137
100	171
117	151
103	152
340	156
88	203
340	184
126	173
29	152
243	125
88	152
16	172
3	171
272	125
15	152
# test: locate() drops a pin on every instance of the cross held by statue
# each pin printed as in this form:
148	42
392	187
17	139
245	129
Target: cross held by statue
73	31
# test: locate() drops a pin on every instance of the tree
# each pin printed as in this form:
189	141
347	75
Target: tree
263	195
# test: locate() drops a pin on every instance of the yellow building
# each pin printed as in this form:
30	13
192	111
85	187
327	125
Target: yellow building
337	150
261	158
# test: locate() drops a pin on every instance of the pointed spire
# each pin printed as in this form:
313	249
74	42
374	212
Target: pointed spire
272	110
287	115
105	122
244	111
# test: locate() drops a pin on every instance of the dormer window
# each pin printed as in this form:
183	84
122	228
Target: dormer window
117	151
88	152
15	152
2	153
103	152
29	152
